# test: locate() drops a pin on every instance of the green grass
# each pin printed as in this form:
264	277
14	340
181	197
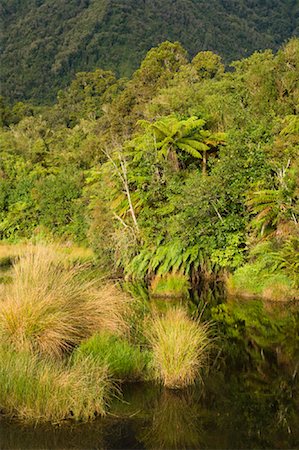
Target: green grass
256	280
170	285
124	360
38	390
180	348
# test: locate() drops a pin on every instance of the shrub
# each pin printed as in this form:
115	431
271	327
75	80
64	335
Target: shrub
180	348
51	309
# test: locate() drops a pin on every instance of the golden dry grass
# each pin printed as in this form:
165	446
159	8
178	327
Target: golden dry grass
50	308
279	292
70	253
180	347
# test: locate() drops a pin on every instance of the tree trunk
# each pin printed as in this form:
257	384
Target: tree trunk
204	163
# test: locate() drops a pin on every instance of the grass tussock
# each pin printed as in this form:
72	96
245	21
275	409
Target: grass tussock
38	390
170	285
124	360
180	348
51	309
10	252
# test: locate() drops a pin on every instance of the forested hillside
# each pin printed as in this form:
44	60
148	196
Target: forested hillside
45	42
185	168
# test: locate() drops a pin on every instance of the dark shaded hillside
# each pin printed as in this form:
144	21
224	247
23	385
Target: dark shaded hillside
45	42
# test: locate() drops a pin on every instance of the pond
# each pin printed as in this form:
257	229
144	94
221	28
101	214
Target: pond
228	412
249	405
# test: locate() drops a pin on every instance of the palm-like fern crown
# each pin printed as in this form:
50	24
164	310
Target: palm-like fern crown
274	206
187	135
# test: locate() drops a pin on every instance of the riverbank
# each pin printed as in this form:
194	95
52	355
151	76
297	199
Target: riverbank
254	281
71	338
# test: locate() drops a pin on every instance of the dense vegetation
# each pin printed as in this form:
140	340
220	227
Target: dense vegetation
67	337
46	42
182	174
184	168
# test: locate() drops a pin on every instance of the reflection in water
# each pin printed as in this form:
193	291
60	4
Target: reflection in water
14	436
232	412
174	422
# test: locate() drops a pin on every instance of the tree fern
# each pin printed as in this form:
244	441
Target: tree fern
272	207
172	134
287	258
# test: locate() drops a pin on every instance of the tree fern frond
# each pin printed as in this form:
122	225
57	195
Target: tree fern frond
201	146
188	149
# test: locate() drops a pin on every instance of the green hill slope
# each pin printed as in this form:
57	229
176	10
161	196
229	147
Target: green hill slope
45	42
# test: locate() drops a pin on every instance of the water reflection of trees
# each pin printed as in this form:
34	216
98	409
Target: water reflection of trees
174	423
16	436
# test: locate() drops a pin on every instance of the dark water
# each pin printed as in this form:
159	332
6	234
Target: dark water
229	412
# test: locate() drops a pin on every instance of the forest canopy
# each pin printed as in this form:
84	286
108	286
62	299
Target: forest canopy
46	42
185	167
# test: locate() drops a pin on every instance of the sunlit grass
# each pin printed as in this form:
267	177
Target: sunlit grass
180	347
125	361
170	285
70	254
10	252
253	280
51	309
35	389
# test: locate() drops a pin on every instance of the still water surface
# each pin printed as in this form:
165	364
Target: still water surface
230	412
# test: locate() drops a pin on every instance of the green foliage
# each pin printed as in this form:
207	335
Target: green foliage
60	205
125	361
207	65
86	96
183	167
287	259
272	207
172	135
46	43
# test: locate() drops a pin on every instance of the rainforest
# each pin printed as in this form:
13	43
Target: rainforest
150	246
185	168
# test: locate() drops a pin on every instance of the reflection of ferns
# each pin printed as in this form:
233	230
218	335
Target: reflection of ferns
172	257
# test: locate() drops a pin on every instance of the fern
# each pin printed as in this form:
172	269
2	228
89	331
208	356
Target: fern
172	134
287	259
